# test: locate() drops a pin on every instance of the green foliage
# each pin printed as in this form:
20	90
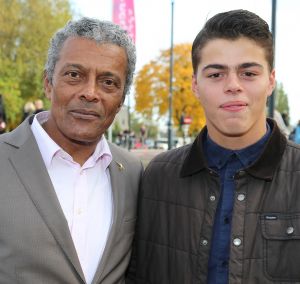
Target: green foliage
25	30
137	122
116	130
152	131
281	101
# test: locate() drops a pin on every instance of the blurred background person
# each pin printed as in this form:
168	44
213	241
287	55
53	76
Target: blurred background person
295	135
28	109
39	106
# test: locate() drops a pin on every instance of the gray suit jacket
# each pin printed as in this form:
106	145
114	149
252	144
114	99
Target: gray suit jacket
35	242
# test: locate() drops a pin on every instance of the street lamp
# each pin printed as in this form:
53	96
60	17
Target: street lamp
273	29
170	130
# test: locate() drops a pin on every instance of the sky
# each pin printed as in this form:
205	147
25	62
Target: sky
153	29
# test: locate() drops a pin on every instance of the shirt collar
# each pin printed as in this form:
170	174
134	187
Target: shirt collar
217	156
264	167
250	154
49	148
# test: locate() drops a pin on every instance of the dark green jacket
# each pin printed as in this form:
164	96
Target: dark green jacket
177	206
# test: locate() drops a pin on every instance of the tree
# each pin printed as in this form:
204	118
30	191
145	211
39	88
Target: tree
282	102
152	88
25	30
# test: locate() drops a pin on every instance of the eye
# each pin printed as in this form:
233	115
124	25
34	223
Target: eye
109	82
72	74
215	75
249	74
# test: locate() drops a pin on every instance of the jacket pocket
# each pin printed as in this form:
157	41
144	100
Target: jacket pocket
281	237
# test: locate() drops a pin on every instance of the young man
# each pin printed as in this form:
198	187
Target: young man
67	196
225	209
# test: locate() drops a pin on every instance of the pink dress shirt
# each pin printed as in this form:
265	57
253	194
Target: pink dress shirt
84	193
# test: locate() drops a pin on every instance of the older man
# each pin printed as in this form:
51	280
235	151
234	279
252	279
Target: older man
67	196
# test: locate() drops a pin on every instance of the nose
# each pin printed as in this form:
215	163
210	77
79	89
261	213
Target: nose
232	84
90	91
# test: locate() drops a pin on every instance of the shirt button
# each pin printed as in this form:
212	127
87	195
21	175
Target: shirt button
212	198
225	264
204	242
290	230
241	197
237	242
240	174
226	220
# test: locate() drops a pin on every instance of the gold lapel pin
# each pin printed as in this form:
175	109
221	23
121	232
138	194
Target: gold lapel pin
120	166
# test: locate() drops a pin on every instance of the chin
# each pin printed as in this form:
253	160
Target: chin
84	137
234	134
85	141
234	130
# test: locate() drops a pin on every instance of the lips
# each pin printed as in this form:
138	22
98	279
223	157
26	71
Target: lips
85	114
234	106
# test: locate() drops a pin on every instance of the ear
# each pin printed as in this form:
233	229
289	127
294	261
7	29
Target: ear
195	85
272	82
47	86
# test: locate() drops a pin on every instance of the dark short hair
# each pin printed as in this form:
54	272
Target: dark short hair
233	25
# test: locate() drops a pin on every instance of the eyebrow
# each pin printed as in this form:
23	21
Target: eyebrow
250	64
225	67
79	66
69	66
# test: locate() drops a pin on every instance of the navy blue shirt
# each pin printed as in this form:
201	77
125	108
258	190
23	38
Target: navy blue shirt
226	163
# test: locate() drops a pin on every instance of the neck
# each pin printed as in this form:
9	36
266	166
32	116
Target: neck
237	142
79	151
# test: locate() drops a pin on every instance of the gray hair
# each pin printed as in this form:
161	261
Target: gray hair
98	31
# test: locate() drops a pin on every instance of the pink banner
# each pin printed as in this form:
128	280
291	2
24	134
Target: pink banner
123	15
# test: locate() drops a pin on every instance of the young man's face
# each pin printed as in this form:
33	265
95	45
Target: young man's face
87	90
233	82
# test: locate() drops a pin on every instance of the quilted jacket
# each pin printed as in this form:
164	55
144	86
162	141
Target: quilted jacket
177	205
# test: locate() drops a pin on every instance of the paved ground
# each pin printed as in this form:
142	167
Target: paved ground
145	155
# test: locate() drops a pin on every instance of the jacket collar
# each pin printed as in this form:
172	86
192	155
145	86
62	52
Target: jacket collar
195	160
263	168
268	162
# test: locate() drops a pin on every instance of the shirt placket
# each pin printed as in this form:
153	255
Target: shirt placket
79	227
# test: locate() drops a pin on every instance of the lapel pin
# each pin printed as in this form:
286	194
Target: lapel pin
120	166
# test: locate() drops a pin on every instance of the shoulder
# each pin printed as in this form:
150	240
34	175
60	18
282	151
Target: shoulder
293	148
291	157
169	160
173	156
18	136
123	156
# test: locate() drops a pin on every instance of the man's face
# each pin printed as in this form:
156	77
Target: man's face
233	82
86	91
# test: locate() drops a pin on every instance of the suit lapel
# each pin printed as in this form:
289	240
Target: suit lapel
116	170
32	172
